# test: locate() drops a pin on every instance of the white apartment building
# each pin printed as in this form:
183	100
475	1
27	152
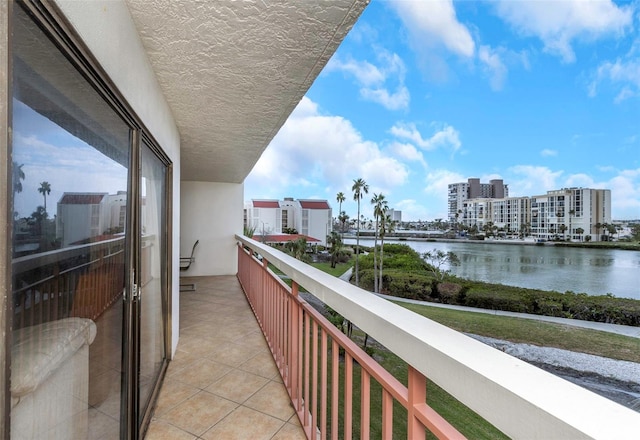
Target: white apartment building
571	213
511	214
82	216
395	215
458	193
309	217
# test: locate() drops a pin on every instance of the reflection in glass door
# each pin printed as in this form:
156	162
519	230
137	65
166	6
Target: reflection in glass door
70	170
152	275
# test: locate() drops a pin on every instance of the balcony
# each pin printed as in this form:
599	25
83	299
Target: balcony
300	378
223	382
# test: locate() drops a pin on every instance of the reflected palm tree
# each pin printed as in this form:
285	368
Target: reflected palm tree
45	190
16	182
18	176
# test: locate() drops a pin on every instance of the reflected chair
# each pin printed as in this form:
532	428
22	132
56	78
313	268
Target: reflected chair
185	264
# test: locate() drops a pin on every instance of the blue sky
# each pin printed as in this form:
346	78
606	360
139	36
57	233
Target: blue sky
421	94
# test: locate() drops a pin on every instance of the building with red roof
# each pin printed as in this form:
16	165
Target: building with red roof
310	218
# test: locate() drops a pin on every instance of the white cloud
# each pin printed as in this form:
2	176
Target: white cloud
69	166
625	196
364	72
391	101
548	153
445	137
435	21
326	150
624	73
493	67
437	186
559	23
527	180
532	180
413	211
375	82
407	151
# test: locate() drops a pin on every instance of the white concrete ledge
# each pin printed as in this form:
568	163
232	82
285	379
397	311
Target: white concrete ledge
521	400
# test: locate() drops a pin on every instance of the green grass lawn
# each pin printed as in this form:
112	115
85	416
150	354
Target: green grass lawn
535	332
501	327
337	271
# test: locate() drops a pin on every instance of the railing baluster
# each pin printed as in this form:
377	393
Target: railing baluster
387	415
335	387
298	338
365	400
323	387
314	368
348	396
294	347
307	368
417	385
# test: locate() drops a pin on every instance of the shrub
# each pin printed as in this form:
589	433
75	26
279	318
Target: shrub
450	293
409	285
498	300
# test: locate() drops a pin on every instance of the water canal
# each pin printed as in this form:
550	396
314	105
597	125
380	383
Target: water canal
592	271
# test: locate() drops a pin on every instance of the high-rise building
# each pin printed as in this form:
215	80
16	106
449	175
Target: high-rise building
473	189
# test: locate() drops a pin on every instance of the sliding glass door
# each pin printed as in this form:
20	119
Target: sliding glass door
88	310
153	275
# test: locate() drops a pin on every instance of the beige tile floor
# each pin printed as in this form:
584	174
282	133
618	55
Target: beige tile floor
223	382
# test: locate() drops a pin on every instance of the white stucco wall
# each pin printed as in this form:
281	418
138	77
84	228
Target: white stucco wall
107	29
319	224
211	213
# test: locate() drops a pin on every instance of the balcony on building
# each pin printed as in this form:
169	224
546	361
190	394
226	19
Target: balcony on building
249	357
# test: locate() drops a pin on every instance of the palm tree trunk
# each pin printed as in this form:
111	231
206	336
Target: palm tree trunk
358	245
380	269
375	263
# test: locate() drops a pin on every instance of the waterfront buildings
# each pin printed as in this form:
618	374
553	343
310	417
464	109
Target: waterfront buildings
569	213
311	218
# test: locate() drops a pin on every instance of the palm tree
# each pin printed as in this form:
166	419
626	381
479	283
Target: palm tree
335	242
379	210
572	212
388	226
580	231
45	190
340	198
562	229
343	218
359	188
598	227
18	177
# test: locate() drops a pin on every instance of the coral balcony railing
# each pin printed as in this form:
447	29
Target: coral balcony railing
320	366
83	281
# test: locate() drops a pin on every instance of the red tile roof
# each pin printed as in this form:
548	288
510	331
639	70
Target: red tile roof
266	204
284	238
81	199
314	204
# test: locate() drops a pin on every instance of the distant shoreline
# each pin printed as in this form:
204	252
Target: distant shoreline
527	242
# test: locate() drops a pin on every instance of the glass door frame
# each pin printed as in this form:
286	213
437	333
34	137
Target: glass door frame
138	424
56	27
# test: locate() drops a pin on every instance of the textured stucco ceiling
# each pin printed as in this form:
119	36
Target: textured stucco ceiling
233	71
